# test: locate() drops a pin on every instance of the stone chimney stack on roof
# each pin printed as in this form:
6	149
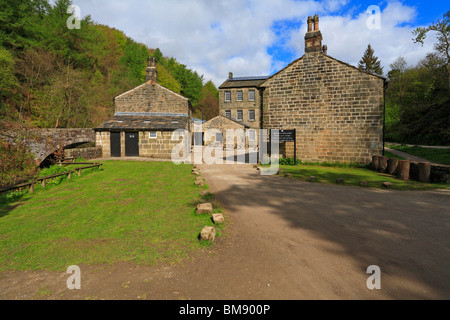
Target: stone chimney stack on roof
230	75
313	38
152	73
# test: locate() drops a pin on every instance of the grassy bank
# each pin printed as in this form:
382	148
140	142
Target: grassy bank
354	176
436	155
142	212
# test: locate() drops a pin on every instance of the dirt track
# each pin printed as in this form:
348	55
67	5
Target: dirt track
287	240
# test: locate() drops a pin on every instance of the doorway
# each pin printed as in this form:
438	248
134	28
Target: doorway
131	144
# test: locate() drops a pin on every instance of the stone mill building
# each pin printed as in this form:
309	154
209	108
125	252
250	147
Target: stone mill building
144	120
336	109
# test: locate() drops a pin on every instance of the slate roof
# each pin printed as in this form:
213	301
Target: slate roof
160	122
243	82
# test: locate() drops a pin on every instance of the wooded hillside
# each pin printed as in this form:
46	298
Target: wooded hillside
52	76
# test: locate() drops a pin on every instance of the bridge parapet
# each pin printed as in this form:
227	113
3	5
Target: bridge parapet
44	142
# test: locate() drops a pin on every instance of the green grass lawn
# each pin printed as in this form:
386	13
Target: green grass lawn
393	156
141	212
353	176
436	155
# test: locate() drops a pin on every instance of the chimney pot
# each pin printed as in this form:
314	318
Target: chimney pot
325	49
316	22
230	75
310	24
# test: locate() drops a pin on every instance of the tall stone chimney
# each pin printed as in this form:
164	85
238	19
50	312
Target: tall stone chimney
152	73
230	75
313	38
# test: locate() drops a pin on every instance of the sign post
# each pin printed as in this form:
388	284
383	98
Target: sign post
286	136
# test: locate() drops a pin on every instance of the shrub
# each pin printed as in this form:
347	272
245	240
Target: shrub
16	164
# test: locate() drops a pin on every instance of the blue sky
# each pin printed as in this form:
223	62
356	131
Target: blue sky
259	37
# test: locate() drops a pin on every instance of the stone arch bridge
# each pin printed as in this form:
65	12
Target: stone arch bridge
44	142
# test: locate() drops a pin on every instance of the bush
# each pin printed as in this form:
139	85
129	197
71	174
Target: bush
16	164
55	169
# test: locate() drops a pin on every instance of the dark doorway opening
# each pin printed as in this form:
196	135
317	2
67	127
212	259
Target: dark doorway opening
131	144
199	138
115	145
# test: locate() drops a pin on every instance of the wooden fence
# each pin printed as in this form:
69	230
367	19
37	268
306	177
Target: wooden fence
43	180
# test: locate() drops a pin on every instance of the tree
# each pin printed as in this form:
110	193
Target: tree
208	105
442	30
370	63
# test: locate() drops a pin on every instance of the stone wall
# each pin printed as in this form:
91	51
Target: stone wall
85	153
222	124
44	142
151	98
336	109
103	141
244	105
161	147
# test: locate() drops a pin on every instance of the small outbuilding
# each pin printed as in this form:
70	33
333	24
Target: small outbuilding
144	120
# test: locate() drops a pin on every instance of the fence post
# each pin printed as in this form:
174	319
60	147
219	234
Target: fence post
403	169
31	190
424	172
69	176
392	166
43	183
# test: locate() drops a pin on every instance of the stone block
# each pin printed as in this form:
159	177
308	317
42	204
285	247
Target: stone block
363	183
204	208
387	185
340	181
312	179
218	218
199	183
208	234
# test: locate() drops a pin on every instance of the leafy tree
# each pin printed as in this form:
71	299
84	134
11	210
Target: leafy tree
442	30
8	81
208	105
370	63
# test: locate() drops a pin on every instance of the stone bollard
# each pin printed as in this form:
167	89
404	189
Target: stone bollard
340	180
199	183
218	218
403	169
204	208
424	172
208	234
382	164
392	166
312	179
387	185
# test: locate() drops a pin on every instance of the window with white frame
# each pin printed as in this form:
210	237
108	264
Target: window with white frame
228	113
251	115
240	115
227	96
251	95
251	135
153	135
239	96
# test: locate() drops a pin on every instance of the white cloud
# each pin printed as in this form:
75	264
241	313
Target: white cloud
216	37
348	37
